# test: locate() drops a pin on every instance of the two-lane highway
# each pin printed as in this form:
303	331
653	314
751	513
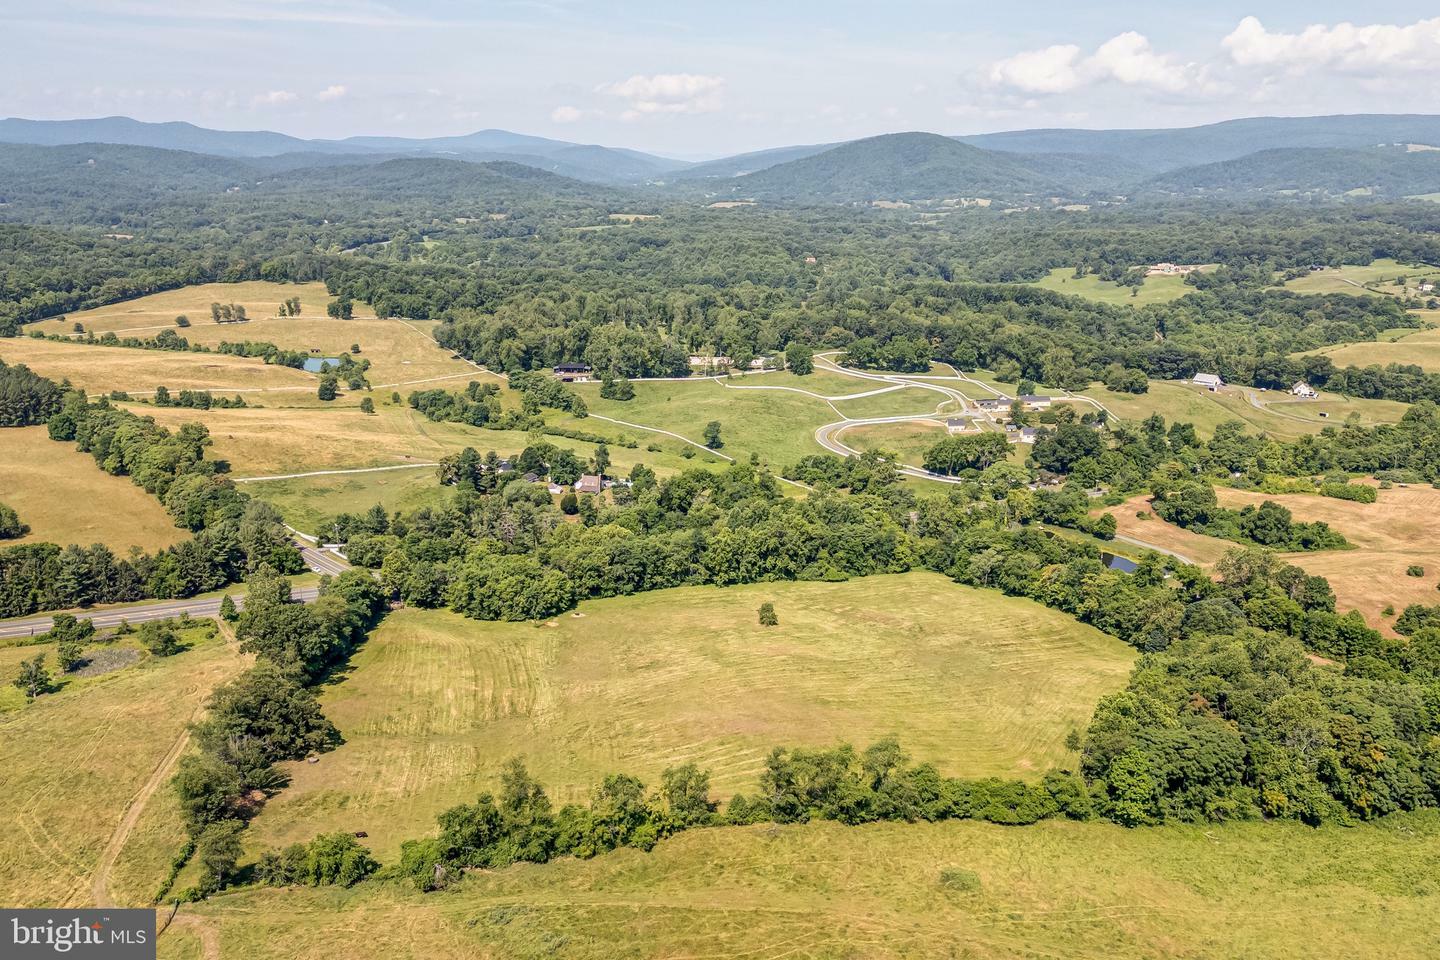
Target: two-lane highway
138	613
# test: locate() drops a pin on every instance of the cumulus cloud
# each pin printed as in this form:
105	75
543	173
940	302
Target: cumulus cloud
1052	70
276	97
565	114
666	93
333	92
1126	58
1371	48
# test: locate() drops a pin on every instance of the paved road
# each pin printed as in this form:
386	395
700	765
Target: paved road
138	613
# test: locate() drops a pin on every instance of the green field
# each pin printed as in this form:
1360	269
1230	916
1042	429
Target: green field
1274	412
66	498
1255	891
434	704
1091	287
1379	277
81	755
778	425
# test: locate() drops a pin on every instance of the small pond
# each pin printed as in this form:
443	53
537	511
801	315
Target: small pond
318	364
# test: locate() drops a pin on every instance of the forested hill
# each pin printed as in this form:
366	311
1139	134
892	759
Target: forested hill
1162	150
129	187
1389	171
900	166
589	162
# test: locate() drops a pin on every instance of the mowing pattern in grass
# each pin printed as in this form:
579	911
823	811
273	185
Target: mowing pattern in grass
1053	890
66	498
73	760
977	682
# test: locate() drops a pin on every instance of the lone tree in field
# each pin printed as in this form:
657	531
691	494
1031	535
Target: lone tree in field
329	388
159	637
228	612
712	435
68	655
800	359
767	615
10	526
34	679
182	321
602	459
367	405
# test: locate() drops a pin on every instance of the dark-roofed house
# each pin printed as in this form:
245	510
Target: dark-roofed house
573	372
993	405
588	483
1031	401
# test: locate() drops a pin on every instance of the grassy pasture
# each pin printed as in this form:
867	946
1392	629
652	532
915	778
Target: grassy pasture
1154	290
98	369
1055	890
66	498
908	440
308	502
778	425
1379	277
73	760
397	351
434	704
1419	347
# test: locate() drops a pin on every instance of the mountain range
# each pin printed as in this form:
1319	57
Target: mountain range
1378	155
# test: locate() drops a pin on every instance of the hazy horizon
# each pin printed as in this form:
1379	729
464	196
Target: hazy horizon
708	82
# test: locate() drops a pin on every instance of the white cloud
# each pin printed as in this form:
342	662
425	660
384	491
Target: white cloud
1126	58
1052	70
663	93
1129	59
565	114
1371	48
333	92
276	97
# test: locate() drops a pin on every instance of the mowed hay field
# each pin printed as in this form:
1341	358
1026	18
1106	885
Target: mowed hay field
1421	348
66	498
397	351
71	762
435	704
1253	891
99	370
1401	529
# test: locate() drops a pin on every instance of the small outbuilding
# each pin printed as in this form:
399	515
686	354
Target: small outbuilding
1304	390
1210	381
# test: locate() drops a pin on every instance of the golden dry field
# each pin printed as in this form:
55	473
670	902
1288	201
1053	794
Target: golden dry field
99	370
73	762
398	352
66	498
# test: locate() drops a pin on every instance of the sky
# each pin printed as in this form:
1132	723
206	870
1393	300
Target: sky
695	80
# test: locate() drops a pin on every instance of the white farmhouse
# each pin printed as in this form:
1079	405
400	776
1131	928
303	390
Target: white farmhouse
1210	381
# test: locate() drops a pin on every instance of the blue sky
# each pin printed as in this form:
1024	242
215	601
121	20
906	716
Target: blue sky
704	79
